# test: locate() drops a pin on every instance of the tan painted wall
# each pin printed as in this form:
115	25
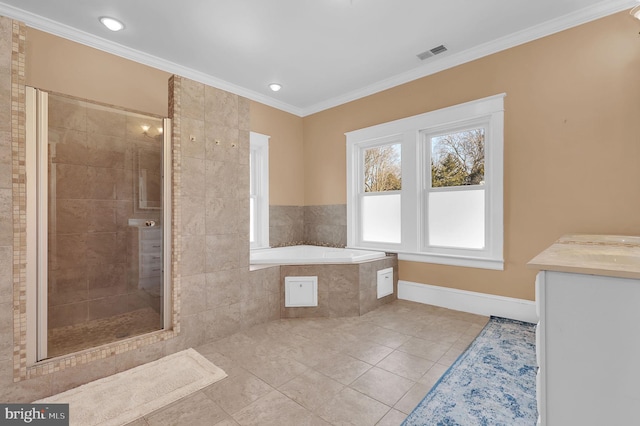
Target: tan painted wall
59	65
286	163
572	143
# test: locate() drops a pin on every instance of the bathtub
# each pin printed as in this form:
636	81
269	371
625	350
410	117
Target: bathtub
311	255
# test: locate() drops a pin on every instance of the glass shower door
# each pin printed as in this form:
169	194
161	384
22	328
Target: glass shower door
102	185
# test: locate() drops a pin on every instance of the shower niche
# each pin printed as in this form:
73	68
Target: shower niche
99	214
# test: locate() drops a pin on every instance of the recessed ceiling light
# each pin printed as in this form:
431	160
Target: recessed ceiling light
111	23
275	87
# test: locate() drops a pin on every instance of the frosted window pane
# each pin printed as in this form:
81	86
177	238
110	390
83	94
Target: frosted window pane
456	219
252	236
381	218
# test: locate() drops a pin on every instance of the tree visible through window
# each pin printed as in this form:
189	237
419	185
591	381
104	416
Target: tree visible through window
382	170
458	159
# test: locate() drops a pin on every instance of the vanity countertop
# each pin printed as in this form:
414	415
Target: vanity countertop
609	255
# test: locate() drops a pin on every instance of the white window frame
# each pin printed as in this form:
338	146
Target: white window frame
414	135
259	174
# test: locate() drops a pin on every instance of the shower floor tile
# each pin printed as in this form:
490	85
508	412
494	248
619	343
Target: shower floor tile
73	338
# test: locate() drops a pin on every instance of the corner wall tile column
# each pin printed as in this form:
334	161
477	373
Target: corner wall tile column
220	296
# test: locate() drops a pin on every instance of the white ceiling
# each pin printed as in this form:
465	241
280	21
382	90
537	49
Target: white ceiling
323	52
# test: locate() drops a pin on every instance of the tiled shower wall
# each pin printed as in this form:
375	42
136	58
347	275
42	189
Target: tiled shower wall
215	292
91	166
315	225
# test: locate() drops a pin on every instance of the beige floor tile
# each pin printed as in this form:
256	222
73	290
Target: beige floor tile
350	407
234	346
382	385
234	393
392	418
480	320
368	351
450	356
412	398
403	324
139	422
311	389
275	371
386	337
275	409
466	339
225	422
193	410
432	376
337	340
309	354
424	349
359	328
311	328
406	365
437	334
343	368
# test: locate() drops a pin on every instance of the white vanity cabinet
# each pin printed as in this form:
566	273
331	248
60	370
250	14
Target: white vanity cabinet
588	337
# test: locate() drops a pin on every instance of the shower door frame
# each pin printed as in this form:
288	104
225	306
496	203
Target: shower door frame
37	205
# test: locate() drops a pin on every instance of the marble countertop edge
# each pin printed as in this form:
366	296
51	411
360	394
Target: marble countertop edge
607	255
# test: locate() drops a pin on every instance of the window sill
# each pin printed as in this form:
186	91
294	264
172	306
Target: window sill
465	261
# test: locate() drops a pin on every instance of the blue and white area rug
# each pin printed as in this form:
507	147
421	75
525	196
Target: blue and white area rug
492	383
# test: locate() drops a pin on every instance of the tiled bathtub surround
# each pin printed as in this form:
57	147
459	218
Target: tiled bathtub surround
344	290
286	225
313	225
326	225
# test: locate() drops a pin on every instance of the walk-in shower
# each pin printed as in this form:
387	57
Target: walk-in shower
97	207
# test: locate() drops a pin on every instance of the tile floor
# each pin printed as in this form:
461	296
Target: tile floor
368	370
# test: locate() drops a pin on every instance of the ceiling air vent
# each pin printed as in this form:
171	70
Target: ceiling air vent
431	52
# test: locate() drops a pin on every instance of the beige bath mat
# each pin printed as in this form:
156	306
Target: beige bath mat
129	395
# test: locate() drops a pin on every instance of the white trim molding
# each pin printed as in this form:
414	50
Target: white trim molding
259	194
468	301
579	17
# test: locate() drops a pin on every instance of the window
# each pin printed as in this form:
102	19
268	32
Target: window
429	187
259	191
381	194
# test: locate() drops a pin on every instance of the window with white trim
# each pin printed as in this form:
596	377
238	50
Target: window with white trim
430	187
259	191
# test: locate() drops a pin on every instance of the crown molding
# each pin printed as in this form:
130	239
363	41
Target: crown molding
61	30
582	16
599	10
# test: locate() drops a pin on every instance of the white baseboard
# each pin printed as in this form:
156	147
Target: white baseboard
468	301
